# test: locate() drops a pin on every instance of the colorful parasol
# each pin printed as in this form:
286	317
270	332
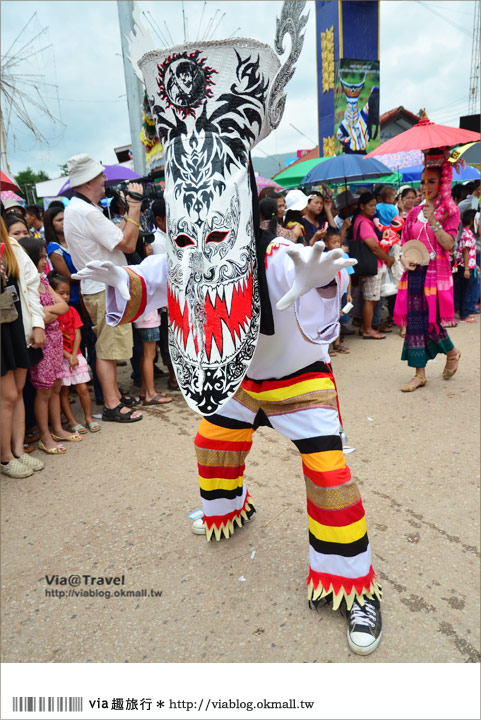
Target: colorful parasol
424	136
114	173
399	160
8	183
413	174
263	182
10	195
291	177
470	153
345	168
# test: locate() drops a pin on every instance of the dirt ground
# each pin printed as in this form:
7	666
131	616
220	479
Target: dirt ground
116	504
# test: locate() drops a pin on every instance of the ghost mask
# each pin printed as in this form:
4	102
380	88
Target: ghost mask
212	102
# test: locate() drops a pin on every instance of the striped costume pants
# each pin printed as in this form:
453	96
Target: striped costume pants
302	407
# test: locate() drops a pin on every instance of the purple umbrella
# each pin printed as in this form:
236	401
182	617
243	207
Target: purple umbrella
114	173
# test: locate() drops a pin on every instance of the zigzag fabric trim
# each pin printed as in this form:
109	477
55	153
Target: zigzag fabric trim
347	589
227	527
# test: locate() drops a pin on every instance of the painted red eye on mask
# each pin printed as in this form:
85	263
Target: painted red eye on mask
183	241
217	236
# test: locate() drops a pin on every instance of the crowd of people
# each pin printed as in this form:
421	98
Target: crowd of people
370	215
59	343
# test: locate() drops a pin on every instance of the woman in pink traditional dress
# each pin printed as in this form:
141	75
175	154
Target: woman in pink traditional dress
425	296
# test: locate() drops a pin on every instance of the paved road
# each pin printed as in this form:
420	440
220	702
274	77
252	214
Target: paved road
117	504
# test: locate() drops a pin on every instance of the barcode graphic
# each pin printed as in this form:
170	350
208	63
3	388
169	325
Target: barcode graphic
47	704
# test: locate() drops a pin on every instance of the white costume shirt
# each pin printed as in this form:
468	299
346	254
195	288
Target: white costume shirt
302	332
91	236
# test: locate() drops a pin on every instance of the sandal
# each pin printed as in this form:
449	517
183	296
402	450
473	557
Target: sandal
59	450
128	400
384	327
171	386
70	438
114	415
80	429
341	349
158	400
32	436
377	336
447	373
411	388
94	427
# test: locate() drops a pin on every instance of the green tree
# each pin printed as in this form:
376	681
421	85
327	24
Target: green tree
63	170
26	180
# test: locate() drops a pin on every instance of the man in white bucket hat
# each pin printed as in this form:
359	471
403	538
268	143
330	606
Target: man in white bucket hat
91	236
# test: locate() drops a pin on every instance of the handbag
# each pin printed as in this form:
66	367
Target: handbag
8	311
392	276
366	260
388	284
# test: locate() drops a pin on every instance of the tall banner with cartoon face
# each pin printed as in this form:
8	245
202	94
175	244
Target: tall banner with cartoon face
212	102
347	35
356	106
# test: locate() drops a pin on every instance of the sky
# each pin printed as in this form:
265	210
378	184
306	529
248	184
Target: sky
76	66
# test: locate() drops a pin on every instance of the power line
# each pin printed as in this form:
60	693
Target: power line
448	20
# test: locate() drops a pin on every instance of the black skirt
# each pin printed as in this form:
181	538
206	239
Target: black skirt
13	345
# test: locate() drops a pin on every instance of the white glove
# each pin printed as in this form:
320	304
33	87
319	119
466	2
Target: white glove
103	271
314	268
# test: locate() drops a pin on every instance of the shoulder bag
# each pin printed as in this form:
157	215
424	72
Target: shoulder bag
8	311
366	260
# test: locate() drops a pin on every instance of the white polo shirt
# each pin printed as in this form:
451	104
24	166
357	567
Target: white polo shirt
91	236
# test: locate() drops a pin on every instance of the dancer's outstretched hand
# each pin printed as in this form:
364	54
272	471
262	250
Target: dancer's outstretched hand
314	268
103	271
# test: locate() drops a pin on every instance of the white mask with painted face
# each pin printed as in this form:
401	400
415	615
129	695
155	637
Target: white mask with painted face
212	102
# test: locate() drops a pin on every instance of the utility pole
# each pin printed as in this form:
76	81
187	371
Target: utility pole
135	90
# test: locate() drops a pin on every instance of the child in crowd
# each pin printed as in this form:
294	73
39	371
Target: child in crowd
332	240
386	209
464	279
46	375
148	327
75	367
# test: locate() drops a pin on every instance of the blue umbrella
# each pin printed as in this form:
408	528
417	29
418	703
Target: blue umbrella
413	173
345	168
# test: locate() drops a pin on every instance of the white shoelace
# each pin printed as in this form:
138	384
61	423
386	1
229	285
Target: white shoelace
363	615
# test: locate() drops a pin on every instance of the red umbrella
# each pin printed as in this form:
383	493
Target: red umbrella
425	135
7	183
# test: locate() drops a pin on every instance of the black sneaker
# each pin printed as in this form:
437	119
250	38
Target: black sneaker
365	626
250	515
321	602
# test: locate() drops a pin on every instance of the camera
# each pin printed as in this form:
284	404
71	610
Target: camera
151	191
